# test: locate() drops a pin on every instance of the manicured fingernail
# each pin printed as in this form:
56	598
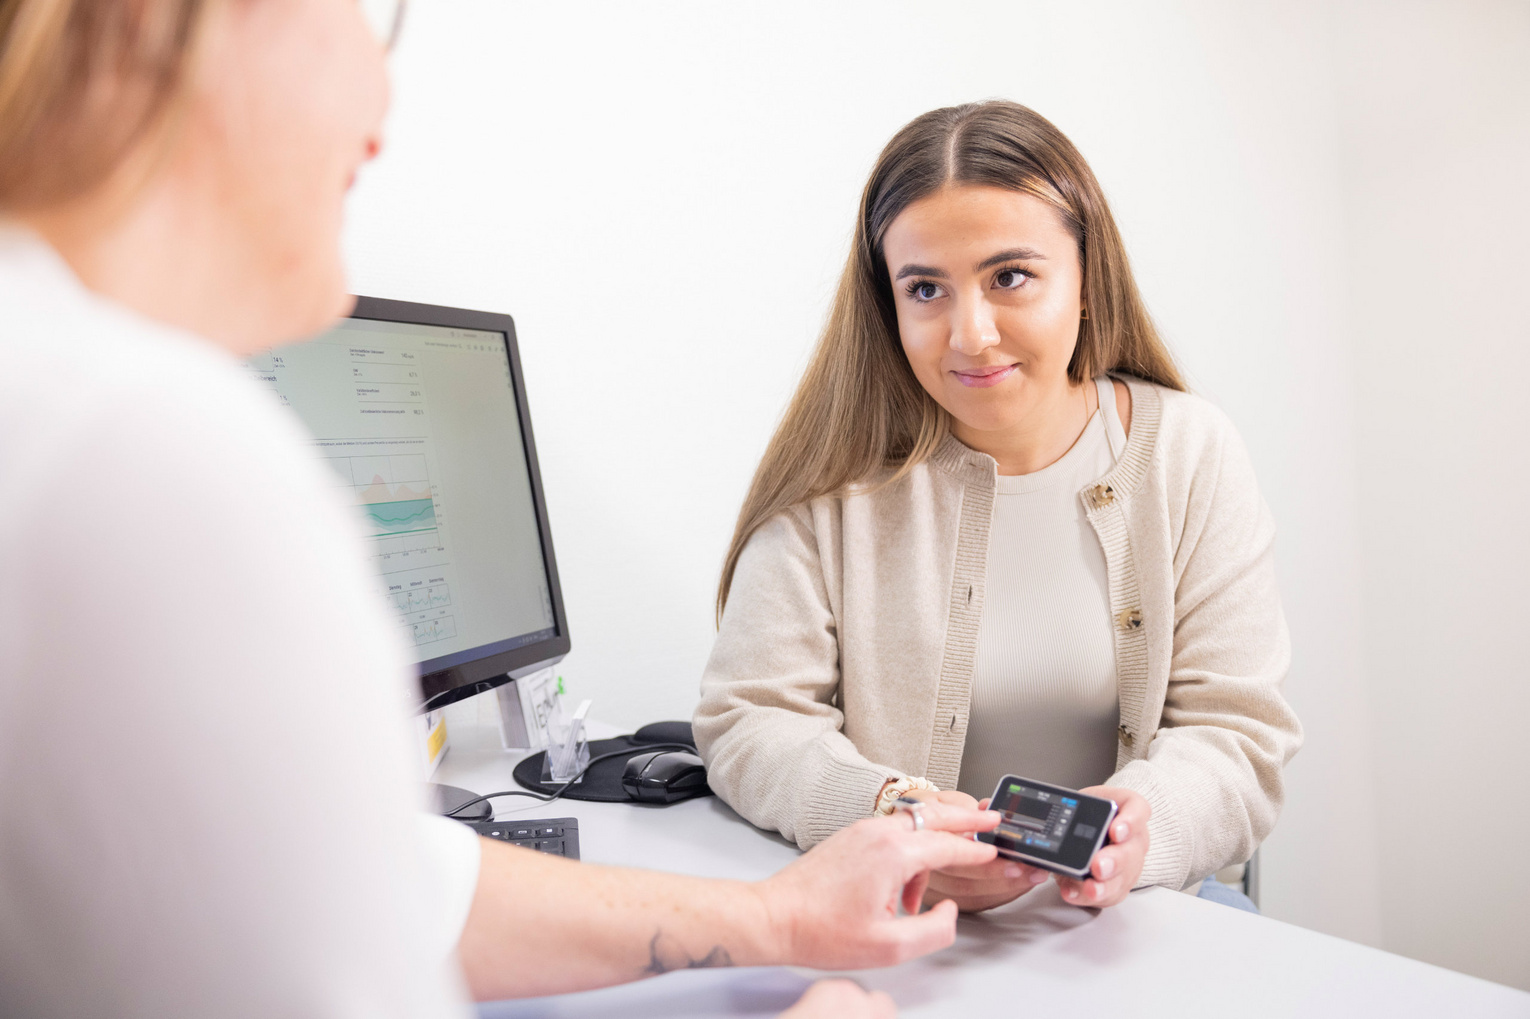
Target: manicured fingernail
1071	893
1038	876
1099	892
1122	832
1013	870
1107	866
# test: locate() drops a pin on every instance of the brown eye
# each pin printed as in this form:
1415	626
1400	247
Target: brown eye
926	291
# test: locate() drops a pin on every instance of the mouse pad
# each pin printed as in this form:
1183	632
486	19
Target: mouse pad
602	783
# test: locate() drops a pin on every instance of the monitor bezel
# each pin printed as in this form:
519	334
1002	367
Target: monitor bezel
442	686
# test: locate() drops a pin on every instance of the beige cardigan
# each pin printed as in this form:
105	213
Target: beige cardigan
846	652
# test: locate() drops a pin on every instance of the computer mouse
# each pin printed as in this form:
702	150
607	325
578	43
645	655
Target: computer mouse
665	776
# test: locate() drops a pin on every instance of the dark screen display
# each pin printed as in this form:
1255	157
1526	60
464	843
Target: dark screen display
1047	824
1031	807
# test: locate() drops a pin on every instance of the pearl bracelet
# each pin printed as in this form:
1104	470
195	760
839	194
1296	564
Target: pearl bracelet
888	798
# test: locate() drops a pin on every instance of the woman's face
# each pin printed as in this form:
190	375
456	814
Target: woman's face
988	290
288	105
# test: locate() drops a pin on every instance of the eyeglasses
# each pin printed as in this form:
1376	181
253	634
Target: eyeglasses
385	18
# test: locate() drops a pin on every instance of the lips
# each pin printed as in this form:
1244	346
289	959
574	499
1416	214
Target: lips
985	376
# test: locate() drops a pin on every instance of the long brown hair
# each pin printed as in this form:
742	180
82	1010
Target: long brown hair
82	83
859	411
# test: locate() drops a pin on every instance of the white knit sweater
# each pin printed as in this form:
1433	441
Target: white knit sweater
846	653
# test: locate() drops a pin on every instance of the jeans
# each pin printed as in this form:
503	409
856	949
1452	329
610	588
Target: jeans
1215	891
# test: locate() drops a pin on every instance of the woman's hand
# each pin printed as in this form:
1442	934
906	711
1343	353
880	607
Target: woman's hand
1115	868
841	999
837	907
985	885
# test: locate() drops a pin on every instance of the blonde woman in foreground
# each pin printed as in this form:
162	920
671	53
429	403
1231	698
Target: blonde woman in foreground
211	808
994	534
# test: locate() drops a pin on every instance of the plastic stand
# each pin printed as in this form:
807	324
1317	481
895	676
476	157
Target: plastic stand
569	753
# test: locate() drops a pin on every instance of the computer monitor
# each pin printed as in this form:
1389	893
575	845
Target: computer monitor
419	414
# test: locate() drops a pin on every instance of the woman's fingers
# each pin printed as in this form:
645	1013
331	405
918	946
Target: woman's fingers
998	870
1116	867
979	888
956	798
913	892
1132	811
1079	893
941	816
1107	864
1019	871
930	931
1092	892
976	903
960	887
942	851
950	797
1109	882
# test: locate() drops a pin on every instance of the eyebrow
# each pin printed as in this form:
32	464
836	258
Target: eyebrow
1008	255
920	270
1012	255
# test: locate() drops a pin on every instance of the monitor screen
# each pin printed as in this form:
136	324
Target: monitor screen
423	427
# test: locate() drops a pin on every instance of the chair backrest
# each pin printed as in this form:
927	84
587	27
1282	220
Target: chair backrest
1243	876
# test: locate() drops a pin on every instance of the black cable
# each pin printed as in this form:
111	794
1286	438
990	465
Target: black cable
549	797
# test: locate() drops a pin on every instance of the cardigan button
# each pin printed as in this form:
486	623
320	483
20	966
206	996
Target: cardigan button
1102	495
1125	736
1130	619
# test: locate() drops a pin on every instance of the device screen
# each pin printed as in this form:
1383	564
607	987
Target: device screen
1049	823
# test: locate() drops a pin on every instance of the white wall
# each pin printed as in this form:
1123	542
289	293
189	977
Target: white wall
1437	158
662	195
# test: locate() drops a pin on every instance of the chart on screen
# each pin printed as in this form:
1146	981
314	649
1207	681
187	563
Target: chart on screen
390	482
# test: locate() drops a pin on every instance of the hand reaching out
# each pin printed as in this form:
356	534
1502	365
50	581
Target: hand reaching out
977	887
838	906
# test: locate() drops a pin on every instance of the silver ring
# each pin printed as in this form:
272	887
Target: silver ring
913	808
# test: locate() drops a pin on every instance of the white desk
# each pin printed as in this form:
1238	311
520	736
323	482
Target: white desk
1159	953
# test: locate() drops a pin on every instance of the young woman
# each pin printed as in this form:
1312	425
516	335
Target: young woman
993	534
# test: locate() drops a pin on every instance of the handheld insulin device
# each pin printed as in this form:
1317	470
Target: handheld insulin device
1048	826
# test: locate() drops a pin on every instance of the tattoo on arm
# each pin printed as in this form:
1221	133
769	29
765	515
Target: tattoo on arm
665	953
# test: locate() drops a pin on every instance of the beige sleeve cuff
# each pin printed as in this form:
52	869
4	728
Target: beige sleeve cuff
843	790
1169	840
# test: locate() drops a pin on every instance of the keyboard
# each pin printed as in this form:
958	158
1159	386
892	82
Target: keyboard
556	835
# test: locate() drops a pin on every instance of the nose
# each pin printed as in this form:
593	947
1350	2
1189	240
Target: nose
974	329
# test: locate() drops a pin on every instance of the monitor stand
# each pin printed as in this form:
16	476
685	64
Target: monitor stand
445	797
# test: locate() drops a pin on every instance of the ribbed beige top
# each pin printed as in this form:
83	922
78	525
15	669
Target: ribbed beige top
846	653
1044	701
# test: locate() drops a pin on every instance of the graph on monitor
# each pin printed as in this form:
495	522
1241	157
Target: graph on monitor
401	510
398	504
394	493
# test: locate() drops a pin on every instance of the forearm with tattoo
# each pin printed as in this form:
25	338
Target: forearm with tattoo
544	925
665	953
